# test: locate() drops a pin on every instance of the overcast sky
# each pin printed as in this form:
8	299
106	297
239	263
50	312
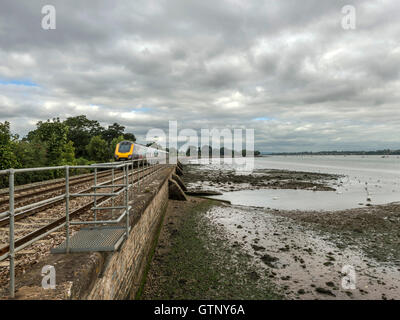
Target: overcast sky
286	68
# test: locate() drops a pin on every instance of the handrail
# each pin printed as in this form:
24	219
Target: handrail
125	188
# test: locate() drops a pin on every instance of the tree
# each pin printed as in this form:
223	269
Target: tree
54	135
32	155
80	131
130	137
191	151
68	155
7	157
7	144
113	131
205	150
98	149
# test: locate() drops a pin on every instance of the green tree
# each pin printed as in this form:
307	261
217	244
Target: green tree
113	131
191	151
7	157
98	149
80	131
54	135
130	137
7	144
32	155
68	154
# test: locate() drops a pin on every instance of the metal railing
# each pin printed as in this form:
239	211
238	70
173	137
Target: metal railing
145	168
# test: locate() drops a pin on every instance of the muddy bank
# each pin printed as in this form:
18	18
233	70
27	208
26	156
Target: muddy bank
375	229
207	250
193	260
213	251
198	177
302	261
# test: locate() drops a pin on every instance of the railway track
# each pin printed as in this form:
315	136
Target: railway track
56	201
57	216
42	189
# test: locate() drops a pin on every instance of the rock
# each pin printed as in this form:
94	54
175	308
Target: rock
203	193
325	291
301	291
254	275
257	248
269	260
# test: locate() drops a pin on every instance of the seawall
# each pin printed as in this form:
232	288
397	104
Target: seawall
107	275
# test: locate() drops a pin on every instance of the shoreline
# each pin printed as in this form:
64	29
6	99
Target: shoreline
192	260
291	254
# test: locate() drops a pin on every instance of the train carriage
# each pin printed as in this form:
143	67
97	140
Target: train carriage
128	150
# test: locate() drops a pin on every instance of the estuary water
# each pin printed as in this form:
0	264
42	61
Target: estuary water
367	180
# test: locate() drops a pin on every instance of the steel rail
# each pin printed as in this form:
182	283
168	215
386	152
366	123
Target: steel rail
25	187
34	208
76	181
55	224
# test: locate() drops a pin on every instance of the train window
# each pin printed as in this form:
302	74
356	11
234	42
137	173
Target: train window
124	147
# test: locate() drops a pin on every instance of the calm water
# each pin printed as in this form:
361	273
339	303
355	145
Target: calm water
371	177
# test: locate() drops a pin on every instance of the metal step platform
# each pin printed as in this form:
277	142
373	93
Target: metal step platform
105	238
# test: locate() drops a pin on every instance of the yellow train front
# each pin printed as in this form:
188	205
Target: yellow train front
127	150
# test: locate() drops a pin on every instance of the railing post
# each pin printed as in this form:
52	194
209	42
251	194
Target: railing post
138	177
112	182
133	174
67	208
95	191
11	235
127	200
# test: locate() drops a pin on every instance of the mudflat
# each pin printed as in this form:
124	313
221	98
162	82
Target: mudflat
211	250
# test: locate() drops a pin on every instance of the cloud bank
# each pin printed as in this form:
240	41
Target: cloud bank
285	68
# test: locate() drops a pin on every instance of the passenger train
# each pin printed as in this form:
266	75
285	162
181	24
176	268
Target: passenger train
128	150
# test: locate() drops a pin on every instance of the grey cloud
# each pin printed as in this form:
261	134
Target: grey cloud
209	64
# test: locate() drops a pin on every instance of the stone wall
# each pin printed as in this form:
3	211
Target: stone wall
123	272
106	275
